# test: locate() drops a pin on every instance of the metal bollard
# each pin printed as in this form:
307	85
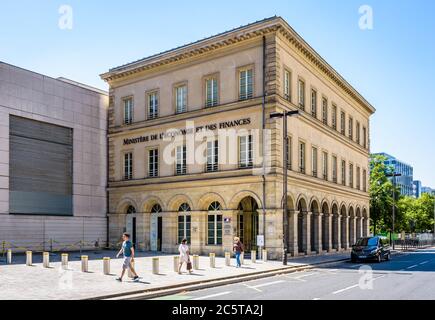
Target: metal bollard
106	265
253	256
176	263
46	260
155	265
9	257
264	255
65	261
84	263
195	262
130	274
212	260
228	258
242	258
29	258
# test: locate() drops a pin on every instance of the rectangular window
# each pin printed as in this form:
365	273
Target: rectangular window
351	175
301	94
314	103
358	178
184	231
245	151
343	172
289	153
302	157
325	111
358	133
246	84
214	229
334	169
212	156
128	166
325	165
40	167
181	99
287	85
343	123
181	166
211	92
365	137
350	128
153	105
364	180
314	161
153	163
128	111
334	117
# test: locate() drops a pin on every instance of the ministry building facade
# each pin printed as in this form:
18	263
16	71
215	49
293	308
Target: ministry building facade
194	153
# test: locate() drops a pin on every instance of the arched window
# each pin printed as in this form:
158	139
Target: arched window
131	210
184	207
214	206
156	208
184	221
214	224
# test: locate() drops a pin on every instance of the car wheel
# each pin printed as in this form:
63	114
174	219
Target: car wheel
353	259
379	260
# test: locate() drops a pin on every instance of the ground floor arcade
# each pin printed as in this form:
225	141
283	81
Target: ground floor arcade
209	217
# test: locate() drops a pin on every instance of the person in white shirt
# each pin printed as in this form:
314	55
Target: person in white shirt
183	249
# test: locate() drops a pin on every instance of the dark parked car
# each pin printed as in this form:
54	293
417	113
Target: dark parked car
371	248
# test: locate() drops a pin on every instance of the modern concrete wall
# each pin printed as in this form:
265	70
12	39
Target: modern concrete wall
66	103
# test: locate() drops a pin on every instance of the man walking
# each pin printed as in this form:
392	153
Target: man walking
128	251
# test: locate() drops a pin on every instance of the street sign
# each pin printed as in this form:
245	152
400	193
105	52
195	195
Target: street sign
260	240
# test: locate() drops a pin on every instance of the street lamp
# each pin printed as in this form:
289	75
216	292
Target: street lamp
284	116
393	175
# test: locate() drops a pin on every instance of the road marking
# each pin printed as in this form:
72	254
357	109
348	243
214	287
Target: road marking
268	284
213	295
354	286
263	285
345	289
316	299
424	262
356	266
413	266
306	275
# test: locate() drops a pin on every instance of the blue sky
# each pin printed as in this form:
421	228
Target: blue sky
392	66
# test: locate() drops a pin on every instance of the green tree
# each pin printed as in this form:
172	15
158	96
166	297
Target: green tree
381	196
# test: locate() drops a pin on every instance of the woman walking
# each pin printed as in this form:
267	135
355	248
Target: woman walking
238	249
183	249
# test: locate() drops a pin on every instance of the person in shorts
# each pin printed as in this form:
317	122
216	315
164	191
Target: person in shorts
127	251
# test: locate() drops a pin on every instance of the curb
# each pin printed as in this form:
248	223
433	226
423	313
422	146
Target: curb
203	284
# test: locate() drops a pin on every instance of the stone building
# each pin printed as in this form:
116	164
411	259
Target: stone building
53	163
194	153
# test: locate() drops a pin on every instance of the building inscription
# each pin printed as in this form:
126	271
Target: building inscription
173	133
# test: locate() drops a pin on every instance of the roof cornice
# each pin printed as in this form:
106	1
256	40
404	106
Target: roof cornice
258	29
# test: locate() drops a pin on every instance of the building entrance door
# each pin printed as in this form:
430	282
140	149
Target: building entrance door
159	233
247	223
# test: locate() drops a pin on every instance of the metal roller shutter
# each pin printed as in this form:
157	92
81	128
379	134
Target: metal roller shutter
40	179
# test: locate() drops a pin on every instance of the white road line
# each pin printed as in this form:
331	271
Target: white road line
356	266
306	275
345	289
424	262
213	295
354	286
316	299
267	284
413	266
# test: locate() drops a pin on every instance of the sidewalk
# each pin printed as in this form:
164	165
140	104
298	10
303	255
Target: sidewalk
18	281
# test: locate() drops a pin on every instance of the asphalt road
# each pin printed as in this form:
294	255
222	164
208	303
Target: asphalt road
408	276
